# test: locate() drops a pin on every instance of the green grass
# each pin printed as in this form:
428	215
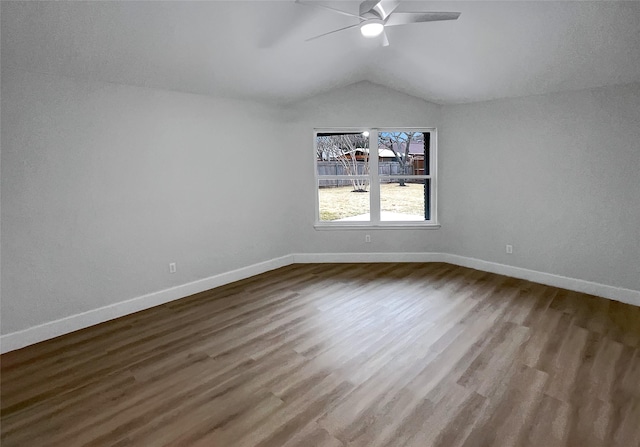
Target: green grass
341	202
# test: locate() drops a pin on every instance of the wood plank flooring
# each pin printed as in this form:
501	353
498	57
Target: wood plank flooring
340	355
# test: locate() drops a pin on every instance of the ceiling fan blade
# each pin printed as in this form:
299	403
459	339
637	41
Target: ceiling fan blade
385	39
385	7
404	18
339	11
331	32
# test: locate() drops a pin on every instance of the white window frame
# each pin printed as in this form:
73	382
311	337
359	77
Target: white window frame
374	182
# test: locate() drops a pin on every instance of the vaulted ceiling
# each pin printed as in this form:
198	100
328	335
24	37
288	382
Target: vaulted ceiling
257	49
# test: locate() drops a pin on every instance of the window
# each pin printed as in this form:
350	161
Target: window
392	185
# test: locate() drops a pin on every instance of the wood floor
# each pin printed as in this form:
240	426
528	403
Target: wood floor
340	355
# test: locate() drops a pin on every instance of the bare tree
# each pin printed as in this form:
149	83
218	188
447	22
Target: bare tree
399	143
352	153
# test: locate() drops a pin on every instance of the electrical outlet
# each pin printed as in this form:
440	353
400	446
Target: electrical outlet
172	267
509	249
367	238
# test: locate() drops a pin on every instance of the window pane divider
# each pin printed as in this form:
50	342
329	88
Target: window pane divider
395	176
374	193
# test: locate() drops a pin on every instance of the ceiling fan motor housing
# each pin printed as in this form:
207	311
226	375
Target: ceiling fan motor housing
373	25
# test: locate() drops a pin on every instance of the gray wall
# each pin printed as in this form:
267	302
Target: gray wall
557	176
103	185
359	105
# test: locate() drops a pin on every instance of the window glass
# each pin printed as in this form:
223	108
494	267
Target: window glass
343	203
397	184
403	203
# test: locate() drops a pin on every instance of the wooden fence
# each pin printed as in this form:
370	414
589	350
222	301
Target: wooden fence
336	168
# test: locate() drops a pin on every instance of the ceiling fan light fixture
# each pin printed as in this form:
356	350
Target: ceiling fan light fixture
372	28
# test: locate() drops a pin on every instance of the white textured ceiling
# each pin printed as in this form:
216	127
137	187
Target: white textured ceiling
257	50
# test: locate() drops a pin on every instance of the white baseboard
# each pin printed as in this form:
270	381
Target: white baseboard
321	258
20	339
579	285
35	334
592	288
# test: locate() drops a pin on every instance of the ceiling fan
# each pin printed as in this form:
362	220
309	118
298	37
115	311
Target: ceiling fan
376	15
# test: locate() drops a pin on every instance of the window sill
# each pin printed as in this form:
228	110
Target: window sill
379	226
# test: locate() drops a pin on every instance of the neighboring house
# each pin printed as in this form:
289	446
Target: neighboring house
384	154
361	154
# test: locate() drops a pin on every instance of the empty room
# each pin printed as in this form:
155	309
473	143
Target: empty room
320	223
